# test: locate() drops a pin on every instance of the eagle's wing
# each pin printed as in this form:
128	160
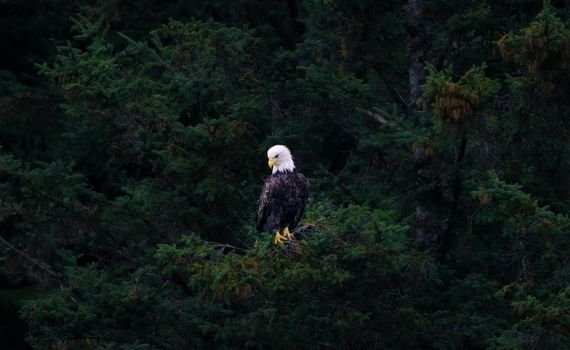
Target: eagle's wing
303	195
264	203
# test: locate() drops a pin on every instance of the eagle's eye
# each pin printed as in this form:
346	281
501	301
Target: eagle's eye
276	156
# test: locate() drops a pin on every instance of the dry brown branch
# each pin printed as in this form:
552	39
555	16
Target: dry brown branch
380	119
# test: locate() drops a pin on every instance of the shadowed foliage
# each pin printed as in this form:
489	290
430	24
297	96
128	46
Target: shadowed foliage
435	135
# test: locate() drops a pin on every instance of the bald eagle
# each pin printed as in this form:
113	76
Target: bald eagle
284	196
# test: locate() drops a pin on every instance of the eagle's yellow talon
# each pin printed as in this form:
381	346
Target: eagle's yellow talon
287	234
279	238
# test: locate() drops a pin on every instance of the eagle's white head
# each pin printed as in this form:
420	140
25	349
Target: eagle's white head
280	159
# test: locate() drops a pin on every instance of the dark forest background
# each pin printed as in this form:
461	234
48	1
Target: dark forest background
133	149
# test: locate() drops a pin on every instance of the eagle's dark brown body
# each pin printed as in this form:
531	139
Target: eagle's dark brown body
282	201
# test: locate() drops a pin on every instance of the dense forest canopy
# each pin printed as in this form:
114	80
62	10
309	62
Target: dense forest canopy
133	139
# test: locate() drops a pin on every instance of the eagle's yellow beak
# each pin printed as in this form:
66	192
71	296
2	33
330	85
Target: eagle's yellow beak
271	162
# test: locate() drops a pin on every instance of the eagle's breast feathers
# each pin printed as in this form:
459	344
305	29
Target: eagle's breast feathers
282	201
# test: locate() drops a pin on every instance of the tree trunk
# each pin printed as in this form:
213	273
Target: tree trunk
429	226
416	71
428	223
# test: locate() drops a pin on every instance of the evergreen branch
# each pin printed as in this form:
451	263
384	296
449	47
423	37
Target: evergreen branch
393	93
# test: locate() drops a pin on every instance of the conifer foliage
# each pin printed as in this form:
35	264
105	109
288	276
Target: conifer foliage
133	152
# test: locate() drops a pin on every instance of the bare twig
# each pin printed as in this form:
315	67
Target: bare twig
35	262
308	226
223	246
380	119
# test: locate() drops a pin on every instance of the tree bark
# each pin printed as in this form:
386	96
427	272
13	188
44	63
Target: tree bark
428	223
416	71
429	227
